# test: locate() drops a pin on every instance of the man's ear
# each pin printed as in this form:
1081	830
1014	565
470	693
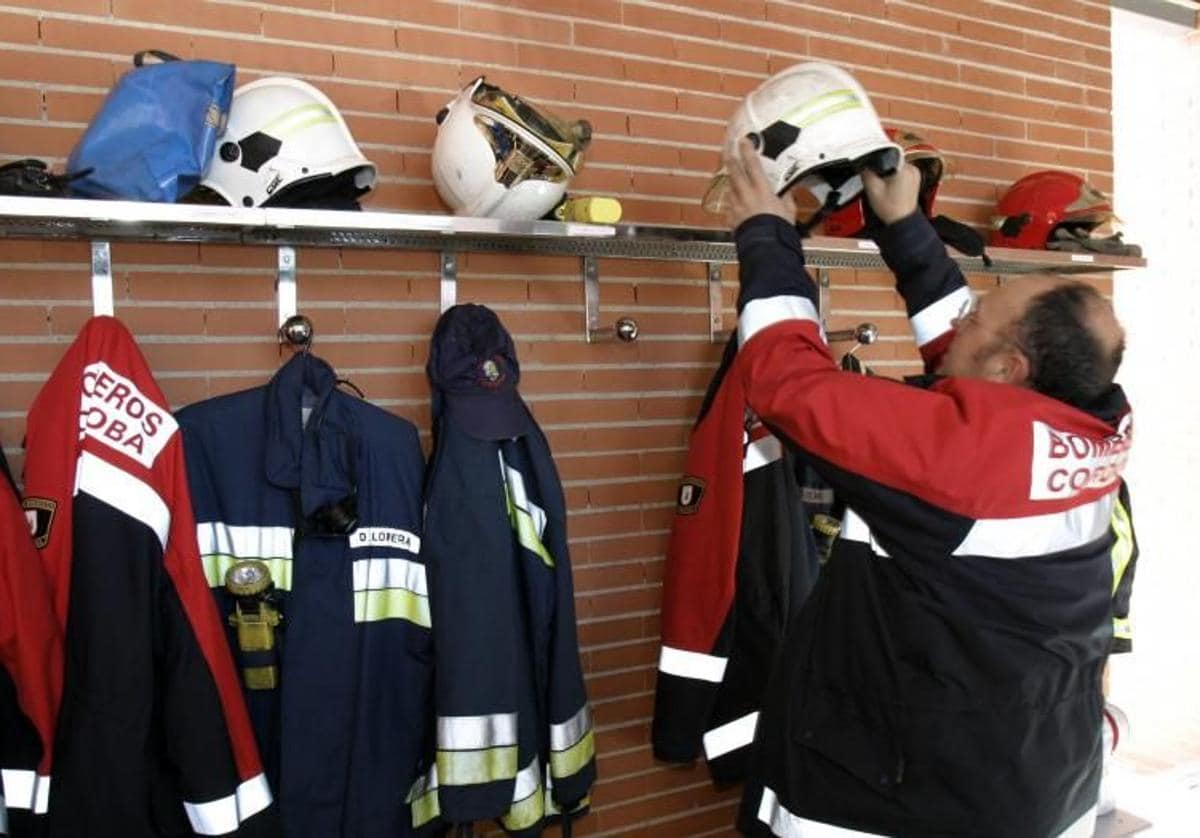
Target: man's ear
1011	366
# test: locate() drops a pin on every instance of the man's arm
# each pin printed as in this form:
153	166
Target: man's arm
930	282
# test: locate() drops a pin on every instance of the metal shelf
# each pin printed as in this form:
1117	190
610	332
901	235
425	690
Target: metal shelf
102	222
62	218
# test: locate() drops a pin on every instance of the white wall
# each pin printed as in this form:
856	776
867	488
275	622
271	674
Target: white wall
1156	128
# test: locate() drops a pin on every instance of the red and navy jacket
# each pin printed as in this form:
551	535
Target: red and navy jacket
153	738
944	676
31	659
740	561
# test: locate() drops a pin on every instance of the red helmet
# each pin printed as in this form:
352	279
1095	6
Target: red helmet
850	220
1028	213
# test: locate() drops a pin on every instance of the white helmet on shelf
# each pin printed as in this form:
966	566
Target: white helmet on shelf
498	156
287	145
813	126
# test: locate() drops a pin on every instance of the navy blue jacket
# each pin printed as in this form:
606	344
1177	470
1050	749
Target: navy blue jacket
343	734
515	738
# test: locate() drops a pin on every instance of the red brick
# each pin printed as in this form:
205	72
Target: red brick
20	103
621	40
25	320
329	31
429	13
644	126
46	68
674	76
1043	89
275	58
629	96
18	29
194	16
718	56
582	62
40	141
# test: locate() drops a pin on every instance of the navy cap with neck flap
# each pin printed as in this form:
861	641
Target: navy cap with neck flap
473	373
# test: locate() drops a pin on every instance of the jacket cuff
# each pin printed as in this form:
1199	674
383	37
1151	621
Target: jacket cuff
771	260
910	244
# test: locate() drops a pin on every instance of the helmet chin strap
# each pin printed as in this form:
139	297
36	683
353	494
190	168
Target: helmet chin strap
832	199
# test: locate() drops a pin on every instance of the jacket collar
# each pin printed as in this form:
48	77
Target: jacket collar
302	455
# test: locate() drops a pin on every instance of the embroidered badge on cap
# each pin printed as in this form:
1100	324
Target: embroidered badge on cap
39	513
691	490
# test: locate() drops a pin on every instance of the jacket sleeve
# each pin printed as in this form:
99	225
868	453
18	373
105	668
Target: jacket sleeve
1124	563
699	579
474	602
930	282
572	755
31	653
210	740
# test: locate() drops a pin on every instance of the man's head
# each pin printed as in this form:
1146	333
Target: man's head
1057	336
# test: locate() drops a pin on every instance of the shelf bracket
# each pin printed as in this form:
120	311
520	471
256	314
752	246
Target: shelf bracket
449	279
285	283
625	329
823	295
716	305
102	284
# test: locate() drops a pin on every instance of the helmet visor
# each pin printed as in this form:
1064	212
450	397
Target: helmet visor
566	139
518	159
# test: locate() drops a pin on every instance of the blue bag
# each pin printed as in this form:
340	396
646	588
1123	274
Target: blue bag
155	133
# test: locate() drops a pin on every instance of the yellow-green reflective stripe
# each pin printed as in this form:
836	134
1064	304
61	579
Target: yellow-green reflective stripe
830	111
425	808
1122	628
552	807
803	115
216	565
573	759
468	768
1122	549
319	112
526	812
526	530
391	604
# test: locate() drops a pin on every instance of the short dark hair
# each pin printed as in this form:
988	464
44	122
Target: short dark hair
1067	359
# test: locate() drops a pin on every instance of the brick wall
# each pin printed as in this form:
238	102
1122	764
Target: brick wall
1001	87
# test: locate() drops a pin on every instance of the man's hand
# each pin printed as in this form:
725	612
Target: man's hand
893	197
749	192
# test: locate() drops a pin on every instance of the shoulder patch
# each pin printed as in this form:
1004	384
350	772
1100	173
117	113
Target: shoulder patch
691	490
39	513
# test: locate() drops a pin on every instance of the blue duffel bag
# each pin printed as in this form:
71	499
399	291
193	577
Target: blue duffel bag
156	131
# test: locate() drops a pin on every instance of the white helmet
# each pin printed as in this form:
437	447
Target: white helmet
814	126
287	145
498	156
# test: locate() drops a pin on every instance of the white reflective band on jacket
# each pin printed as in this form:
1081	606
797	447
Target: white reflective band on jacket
760	314
223	545
476	749
390	588
730	736
528	519
787	825
25	789
695	665
572	743
225	814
